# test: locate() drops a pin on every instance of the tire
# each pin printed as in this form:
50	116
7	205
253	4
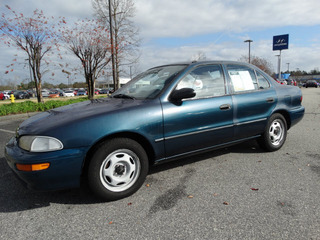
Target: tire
117	169
275	133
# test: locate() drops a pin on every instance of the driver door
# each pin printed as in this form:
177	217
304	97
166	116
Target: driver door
202	122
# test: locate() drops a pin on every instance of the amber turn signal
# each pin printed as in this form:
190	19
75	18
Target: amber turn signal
32	167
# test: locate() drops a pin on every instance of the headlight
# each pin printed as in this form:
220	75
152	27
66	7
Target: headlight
40	143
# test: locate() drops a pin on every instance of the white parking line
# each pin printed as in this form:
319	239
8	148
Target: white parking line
7	131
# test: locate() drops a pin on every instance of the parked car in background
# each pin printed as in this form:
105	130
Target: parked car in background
11	92
21	95
54	94
6	95
96	92
283	82
69	93
2	96
45	93
61	93
291	82
311	83
81	92
163	114
31	93
104	91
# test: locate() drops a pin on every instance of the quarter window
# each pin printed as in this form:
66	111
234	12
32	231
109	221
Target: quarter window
263	82
207	81
242	78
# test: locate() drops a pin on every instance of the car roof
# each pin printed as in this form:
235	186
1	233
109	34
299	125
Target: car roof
204	62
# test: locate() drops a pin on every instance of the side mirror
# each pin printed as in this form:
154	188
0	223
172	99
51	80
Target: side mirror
183	93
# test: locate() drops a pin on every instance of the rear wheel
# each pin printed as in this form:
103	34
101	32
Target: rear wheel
275	133
117	169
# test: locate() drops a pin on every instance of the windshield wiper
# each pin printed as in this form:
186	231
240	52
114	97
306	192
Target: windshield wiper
123	96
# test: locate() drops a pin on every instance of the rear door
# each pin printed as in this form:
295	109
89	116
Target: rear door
253	100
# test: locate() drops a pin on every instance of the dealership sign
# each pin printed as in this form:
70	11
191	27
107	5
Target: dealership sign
280	42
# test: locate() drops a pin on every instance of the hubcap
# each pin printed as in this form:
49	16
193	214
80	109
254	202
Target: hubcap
276	132
120	170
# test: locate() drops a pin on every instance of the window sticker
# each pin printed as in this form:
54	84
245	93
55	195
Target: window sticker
241	80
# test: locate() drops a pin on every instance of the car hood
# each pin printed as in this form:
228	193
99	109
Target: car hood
73	113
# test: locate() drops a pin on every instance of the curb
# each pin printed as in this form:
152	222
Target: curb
18	116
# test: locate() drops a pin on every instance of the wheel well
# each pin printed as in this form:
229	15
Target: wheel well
286	115
134	136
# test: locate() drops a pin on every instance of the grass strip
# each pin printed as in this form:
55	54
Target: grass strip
30	106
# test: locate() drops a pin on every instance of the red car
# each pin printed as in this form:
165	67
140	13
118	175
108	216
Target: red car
2	97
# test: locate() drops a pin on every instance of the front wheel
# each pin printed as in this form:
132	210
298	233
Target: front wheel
275	133
117	169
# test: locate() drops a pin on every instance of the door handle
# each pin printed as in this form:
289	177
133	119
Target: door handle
270	99
225	107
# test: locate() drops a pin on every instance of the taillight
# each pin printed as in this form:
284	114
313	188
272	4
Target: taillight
301	98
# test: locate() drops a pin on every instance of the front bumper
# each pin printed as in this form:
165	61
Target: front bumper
64	171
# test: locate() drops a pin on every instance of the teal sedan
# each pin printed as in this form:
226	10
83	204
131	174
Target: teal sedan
165	113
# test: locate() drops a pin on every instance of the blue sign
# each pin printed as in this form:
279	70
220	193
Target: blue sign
285	75
280	42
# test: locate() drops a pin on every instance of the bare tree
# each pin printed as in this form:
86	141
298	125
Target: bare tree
34	35
125	33
200	56
89	41
259	62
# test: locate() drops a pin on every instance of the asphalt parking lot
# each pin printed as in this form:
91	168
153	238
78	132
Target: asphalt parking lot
239	192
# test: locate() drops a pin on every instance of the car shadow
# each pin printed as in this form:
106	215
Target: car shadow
14	197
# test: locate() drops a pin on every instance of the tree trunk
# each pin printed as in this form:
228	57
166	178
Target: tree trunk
91	84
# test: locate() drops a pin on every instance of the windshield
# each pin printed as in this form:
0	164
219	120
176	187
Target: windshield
149	84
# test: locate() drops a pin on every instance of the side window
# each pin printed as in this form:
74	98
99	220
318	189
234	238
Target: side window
207	81
262	81
243	78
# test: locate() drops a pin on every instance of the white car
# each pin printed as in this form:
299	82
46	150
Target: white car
6	95
45	93
69	93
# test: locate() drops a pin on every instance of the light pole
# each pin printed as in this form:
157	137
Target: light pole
288	66
248	41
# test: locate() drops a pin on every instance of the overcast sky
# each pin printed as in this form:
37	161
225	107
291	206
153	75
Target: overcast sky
176	30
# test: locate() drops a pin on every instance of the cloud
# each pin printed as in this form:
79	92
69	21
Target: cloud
69	9
169	18
174	31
